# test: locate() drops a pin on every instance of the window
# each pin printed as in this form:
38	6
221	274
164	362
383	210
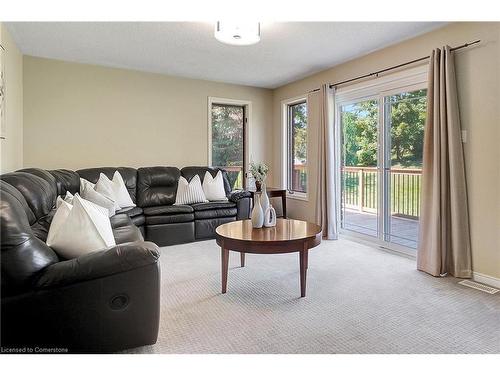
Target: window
296	147
227	138
382	130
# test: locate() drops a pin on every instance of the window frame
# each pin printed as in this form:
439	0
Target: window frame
247	112
287	143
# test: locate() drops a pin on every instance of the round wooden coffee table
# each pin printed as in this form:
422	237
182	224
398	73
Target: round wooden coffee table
287	236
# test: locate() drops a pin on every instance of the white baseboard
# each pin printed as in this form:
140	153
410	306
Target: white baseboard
485	279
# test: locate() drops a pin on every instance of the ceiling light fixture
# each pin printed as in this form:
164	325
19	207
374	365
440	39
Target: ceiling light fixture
238	34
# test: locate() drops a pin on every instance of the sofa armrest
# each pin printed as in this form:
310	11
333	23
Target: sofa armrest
118	259
237	195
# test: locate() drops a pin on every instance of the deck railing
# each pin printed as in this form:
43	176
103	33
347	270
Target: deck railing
360	190
360	187
299	177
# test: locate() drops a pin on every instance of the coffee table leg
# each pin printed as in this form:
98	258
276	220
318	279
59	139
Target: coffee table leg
242	259
225	263
303	271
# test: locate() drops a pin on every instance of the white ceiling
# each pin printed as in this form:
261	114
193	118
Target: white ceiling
287	51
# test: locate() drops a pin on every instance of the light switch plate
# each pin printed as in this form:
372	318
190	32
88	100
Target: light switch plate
464	136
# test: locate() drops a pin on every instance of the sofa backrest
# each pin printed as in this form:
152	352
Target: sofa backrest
23	254
38	187
189	172
157	186
66	180
129	175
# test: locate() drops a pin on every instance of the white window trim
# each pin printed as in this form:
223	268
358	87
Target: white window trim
248	126
284	148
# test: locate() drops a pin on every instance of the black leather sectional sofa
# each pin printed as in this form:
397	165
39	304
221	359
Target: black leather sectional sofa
107	300
153	191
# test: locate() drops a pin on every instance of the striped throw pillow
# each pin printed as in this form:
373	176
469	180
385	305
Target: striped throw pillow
189	192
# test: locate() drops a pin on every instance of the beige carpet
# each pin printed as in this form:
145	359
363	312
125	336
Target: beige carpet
359	300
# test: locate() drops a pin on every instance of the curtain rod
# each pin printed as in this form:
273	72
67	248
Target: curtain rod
394	67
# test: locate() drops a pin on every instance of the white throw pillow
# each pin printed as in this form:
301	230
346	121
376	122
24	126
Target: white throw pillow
60	217
121	193
99	199
68	198
188	193
79	229
104	186
115	190
214	187
86	183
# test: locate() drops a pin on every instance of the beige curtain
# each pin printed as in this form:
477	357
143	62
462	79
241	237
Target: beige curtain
328	168
444	240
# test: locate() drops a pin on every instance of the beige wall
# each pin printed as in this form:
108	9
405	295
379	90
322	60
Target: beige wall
78	115
11	148
478	84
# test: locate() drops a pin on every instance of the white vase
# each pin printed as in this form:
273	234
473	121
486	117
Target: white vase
264	200
270	217
257	213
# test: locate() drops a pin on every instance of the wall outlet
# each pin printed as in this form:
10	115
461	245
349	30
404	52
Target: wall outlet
464	136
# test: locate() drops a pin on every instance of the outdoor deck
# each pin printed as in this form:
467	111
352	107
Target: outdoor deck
403	231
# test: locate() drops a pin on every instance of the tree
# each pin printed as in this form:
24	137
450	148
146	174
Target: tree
299	123
408	112
360	123
360	133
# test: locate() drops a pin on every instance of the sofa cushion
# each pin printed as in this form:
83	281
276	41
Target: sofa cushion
168	210
105	187
23	255
42	173
128	174
213	210
120	191
212	205
169	214
139	220
128	233
189	172
156	186
97	198
41	227
80	229
130	211
213	187
66	180
39	193
189	192
120	220
212	214
168	219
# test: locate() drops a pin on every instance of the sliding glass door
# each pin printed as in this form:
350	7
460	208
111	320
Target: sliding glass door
381	143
